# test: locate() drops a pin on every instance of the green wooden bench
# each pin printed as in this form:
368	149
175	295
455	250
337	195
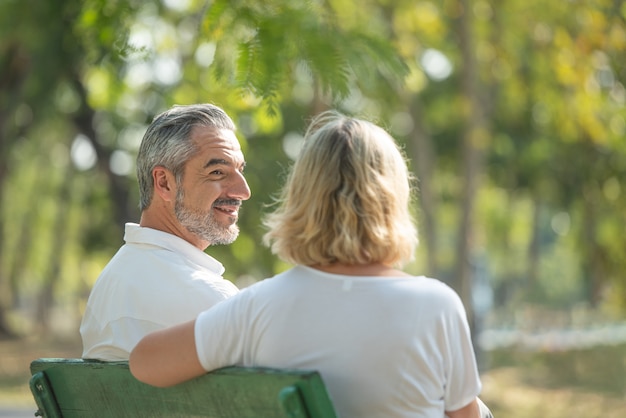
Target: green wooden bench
91	388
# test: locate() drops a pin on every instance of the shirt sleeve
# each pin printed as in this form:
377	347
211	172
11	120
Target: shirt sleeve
220	333
462	380
116	339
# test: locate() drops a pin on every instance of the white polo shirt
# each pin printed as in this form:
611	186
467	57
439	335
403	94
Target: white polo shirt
154	281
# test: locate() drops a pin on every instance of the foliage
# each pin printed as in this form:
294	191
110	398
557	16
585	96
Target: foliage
81	80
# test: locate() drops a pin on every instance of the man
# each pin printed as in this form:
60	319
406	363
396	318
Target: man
191	183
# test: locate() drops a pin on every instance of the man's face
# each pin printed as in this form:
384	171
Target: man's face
213	187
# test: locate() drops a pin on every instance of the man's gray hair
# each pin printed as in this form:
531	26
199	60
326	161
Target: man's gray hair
168	143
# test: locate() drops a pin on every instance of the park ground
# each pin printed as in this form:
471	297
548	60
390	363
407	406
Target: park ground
541	386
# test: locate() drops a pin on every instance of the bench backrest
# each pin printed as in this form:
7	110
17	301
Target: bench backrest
86	388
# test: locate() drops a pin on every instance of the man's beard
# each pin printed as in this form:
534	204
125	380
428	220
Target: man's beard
204	225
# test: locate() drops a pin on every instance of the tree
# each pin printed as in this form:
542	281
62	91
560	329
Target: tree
65	61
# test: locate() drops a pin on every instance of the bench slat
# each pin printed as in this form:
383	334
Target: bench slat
80	388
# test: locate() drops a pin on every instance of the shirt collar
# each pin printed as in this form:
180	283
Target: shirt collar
141	235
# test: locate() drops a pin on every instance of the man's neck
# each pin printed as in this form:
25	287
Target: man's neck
171	226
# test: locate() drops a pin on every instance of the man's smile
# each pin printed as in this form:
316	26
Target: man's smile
227	206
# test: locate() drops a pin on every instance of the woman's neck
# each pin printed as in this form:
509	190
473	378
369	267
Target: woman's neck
374	269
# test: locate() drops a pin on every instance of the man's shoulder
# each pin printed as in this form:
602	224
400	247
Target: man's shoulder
132	257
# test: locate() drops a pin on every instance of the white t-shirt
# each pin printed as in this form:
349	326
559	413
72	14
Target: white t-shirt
385	346
154	281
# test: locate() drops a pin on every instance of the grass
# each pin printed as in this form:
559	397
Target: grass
509	394
15	358
586	384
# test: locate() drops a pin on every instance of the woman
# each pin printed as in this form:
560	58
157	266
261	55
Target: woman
387	344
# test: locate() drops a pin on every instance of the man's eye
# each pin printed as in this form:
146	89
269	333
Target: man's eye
217	172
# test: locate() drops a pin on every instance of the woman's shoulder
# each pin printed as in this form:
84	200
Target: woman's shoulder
433	290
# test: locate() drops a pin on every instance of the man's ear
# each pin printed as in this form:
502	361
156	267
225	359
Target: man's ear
164	183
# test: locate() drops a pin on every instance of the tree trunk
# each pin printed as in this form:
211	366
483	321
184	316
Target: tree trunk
593	265
20	256
45	302
12	75
474	141
83	119
534	249
5	291
423	155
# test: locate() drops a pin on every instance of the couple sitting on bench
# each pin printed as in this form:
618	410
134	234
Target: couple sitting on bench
385	343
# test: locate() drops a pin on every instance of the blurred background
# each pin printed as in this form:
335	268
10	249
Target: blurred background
511	112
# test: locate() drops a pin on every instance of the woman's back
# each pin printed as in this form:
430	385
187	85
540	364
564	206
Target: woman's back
385	346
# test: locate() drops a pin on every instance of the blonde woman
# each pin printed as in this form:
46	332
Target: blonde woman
386	343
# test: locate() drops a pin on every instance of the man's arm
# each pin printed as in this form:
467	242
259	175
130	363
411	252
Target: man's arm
471	410
167	357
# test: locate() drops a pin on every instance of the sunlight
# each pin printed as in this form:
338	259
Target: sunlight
292	143
436	65
82	153
121	163
205	54
166	70
178	5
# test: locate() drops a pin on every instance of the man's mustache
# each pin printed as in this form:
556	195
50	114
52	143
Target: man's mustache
227	202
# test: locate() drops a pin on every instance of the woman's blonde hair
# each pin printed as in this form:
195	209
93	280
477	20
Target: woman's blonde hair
346	198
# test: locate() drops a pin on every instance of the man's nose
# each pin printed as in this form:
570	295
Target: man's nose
239	188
